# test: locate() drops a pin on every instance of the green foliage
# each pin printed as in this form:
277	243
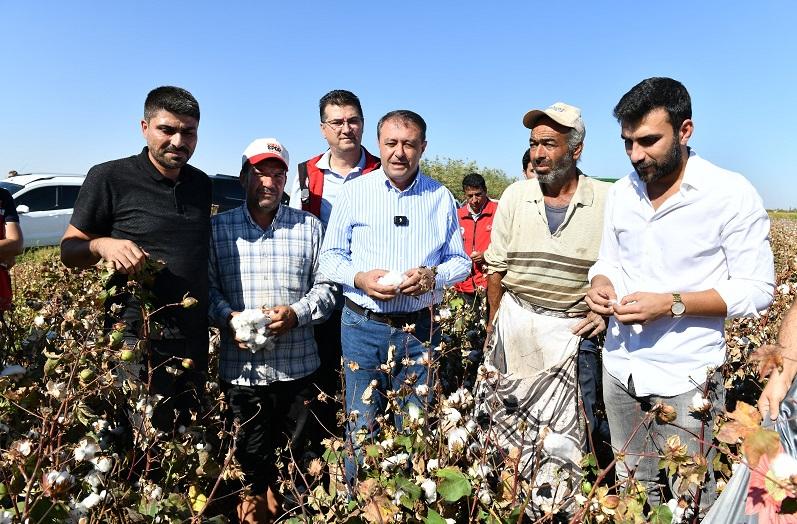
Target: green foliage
450	173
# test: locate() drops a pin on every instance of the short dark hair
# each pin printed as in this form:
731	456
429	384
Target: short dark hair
406	116
339	97
526	159
654	93
172	99
474	180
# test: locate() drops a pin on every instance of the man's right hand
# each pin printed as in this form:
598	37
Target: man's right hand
601	297
367	282
127	257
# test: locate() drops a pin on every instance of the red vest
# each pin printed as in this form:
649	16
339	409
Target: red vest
312	179
475	237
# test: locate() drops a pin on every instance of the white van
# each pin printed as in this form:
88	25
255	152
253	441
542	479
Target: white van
44	204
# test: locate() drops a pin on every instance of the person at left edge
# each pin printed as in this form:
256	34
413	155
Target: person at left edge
264	255
408	226
10	245
156	206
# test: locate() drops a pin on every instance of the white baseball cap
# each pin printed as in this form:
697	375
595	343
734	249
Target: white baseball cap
561	113
263	148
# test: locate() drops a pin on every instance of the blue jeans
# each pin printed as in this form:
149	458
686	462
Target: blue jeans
626	411
366	342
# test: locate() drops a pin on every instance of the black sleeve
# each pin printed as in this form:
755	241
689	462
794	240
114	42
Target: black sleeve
9	208
93	212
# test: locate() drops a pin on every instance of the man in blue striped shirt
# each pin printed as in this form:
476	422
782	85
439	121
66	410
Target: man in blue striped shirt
264	256
393	243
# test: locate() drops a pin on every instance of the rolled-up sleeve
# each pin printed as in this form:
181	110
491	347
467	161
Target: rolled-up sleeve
455	264
319	302
751	271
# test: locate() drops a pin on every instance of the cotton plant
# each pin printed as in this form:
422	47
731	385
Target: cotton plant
251	328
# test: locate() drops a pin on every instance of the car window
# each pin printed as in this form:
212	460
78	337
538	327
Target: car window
227	193
67	196
39	199
11	188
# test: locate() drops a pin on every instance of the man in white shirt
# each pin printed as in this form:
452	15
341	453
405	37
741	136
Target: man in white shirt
685	246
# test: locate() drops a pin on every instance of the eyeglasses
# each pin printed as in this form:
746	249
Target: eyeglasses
354	122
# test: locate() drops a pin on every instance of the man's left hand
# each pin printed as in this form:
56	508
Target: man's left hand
283	318
643	307
419	281
477	257
591	325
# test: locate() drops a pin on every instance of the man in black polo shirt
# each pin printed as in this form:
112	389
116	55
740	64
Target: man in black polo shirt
154	206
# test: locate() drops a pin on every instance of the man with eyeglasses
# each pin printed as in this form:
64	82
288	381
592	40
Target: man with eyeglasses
320	179
315	189
264	257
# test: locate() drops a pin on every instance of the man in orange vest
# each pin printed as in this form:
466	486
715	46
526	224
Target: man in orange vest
317	184
319	179
475	223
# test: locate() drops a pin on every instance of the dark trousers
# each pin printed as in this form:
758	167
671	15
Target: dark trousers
271	417
328	379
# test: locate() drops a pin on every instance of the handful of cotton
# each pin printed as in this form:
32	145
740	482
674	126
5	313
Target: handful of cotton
251	328
393	279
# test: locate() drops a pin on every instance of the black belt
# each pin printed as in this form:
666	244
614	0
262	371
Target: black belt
391	319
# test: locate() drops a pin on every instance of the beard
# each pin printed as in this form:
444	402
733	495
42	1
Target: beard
659	170
558	170
161	158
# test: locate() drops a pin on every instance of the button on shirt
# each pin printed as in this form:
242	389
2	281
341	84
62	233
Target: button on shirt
250	268
713	233
333	182
362	235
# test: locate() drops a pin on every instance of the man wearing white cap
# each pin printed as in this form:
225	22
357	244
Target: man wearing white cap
545	237
264	259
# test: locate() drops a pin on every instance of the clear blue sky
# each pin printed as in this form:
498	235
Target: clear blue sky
75	74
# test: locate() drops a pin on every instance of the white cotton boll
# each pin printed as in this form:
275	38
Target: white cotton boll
451	415
85	450
485	497
102	464
784	289
396	460
700	403
784	466
457	439
429	488
422	390
432	465
676	510
480	471
242	334
413	412
392	279
92	500
260	339
95	479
